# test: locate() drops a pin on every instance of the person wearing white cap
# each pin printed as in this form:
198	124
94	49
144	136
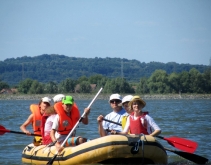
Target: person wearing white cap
139	122
35	118
58	98
116	116
125	102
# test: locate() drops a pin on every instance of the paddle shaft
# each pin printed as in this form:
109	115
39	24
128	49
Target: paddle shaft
52	160
2	129
192	157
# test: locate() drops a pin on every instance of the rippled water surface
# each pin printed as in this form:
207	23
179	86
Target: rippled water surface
189	119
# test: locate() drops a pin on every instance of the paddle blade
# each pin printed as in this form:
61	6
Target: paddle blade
189	156
182	144
3	130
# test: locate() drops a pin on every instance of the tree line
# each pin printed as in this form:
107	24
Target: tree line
160	82
46	68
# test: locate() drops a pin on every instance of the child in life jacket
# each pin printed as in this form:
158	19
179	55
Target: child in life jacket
139	122
35	119
46	126
66	118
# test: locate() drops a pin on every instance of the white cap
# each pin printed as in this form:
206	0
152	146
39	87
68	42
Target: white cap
58	98
127	98
46	100
115	96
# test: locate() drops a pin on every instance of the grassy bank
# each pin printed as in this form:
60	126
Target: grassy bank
81	96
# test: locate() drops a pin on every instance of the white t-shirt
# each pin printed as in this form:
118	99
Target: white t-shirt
116	117
48	124
55	126
150	124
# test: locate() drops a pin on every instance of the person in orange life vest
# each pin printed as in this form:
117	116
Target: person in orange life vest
47	122
139	122
67	116
58	98
35	117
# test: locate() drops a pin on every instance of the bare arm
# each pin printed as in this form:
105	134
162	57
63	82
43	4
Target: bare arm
100	126
26	123
52	134
155	133
85	119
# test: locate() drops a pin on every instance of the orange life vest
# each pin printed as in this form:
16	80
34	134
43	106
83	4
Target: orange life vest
66	123
36	118
138	125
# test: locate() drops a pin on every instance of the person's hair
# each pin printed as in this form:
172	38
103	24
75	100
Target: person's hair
50	110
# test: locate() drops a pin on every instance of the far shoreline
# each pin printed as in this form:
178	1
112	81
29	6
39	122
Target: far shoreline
83	96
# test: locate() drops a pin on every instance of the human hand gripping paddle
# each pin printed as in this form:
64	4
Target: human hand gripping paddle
54	157
3	130
182	144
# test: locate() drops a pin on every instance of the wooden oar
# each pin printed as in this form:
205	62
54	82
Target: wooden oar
192	157
180	143
3	130
54	157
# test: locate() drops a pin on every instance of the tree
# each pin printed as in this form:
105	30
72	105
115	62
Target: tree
3	85
67	86
51	87
118	85
158	82
174	83
85	87
25	85
36	88
142	86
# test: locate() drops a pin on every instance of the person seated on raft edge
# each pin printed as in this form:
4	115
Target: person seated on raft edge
139	122
66	118
116	116
35	119
46	125
48	118
125	102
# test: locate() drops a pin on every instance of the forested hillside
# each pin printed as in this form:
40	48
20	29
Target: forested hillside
55	68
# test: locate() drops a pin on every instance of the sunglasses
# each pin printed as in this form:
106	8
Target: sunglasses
116	101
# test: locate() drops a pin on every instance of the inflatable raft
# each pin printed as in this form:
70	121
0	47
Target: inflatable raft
113	149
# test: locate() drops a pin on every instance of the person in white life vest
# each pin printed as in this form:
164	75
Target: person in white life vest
139	122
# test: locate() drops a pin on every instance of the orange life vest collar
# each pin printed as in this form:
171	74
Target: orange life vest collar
36	118
66	123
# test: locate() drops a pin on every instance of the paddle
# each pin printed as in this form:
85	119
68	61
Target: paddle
54	157
192	157
3	130
181	143
177	142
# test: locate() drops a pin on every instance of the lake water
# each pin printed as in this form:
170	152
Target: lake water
184	118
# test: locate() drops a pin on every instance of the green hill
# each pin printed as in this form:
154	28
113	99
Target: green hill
45	68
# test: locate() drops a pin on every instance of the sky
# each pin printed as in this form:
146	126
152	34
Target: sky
145	30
